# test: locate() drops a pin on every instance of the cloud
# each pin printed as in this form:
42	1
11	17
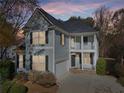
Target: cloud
115	8
67	8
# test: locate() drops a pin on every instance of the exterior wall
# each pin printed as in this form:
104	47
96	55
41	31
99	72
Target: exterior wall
38	23
61	54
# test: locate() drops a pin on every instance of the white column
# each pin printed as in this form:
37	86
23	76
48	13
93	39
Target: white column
69	62
96	51
54	63
82	43
77	61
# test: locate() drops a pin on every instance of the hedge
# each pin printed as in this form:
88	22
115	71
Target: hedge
101	66
13	87
7	69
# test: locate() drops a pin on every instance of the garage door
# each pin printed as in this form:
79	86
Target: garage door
61	68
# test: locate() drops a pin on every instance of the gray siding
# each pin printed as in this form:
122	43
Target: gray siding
38	23
61	52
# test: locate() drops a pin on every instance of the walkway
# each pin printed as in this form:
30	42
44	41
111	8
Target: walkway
89	83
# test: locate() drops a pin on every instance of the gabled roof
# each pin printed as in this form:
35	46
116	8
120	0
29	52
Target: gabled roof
75	26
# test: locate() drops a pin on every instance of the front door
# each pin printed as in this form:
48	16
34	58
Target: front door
72	60
76	60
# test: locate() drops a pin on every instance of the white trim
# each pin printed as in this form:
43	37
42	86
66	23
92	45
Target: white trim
40	47
69	62
83	33
54	70
82	47
74	50
88	50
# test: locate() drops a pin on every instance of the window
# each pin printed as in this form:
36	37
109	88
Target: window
39	63
20	61
72	42
85	39
88	39
39	38
62	39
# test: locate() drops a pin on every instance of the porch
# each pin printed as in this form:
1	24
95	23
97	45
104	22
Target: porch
82	60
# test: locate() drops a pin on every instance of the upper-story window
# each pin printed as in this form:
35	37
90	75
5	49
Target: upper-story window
39	38
76	42
72	42
88	39
62	39
85	39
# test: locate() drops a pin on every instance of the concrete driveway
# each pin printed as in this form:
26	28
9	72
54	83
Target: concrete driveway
89	83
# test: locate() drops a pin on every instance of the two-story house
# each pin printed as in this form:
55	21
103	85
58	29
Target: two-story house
56	46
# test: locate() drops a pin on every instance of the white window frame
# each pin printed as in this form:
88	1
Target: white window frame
39	38
21	62
38	61
62	39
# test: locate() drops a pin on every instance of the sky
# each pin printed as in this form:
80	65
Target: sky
64	9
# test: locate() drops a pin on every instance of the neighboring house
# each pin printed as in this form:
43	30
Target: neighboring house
9	53
56	46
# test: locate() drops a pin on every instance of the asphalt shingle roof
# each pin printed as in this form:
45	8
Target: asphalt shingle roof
75	26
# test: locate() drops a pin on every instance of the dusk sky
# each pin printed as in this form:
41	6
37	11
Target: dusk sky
63	9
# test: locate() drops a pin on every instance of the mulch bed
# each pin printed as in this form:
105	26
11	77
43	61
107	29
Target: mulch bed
35	88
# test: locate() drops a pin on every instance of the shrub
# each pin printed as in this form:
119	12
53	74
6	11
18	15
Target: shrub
7	86
21	76
33	75
119	70
7	69
101	66
110	67
13	87
18	88
121	81
46	79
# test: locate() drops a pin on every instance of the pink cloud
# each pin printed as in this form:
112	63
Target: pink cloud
67	8
115	8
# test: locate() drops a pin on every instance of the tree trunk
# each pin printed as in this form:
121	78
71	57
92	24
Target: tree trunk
122	60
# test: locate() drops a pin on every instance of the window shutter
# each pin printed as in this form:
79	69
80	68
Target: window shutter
30	62
17	64
60	39
31	38
23	61
47	61
46	36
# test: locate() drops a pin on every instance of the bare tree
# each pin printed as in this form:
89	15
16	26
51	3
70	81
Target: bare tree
14	13
118	21
102	23
17	11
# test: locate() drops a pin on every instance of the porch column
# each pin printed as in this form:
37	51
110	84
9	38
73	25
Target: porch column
82	58
69	62
82	43
96	51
